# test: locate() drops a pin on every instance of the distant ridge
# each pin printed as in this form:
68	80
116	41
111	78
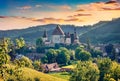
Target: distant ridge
102	32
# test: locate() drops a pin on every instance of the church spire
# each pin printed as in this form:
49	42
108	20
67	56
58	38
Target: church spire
75	34
45	34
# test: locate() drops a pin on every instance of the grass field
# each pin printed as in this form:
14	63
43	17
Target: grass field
30	73
70	66
63	75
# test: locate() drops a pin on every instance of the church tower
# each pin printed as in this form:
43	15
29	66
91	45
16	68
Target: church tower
67	38
45	36
76	38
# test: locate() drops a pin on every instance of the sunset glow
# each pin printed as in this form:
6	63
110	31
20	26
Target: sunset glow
16	15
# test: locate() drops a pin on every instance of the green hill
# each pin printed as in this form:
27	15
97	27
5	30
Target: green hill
31	34
103	32
32	74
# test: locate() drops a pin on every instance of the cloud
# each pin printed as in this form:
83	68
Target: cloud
16	22
99	6
62	7
86	14
72	19
52	20
81	14
49	20
24	7
38	6
111	2
111	8
3	17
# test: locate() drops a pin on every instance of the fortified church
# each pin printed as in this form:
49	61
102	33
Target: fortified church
60	37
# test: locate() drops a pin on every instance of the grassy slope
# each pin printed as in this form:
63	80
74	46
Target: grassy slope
30	73
1	79
63	75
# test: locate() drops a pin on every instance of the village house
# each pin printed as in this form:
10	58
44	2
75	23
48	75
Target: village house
54	67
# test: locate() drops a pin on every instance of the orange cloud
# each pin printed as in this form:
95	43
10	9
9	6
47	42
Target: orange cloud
63	7
86	14
49	20
99	6
71	20
81	14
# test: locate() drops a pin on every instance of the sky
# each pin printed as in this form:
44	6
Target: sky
18	14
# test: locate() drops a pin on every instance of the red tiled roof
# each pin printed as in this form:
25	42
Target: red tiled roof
58	31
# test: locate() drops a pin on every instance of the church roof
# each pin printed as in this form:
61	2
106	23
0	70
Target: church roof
58	31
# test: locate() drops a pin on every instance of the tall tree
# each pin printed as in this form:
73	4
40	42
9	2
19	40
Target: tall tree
40	45
4	57
63	56
85	71
77	51
88	44
104	67
51	55
20	42
82	54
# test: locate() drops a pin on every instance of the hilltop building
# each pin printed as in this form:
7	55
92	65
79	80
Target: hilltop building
59	37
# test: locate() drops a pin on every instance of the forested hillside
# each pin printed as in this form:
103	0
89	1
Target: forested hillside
102	32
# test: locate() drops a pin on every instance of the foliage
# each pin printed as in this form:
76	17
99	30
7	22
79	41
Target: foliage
4	58
61	56
85	71
44	59
72	54
40	45
51	55
84	55
77	51
36	79
104	67
64	56
109	48
81	54
115	71
23	62
14	73
95	53
103	32
20	42
37	65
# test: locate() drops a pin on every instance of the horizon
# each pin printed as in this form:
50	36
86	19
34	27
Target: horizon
20	14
